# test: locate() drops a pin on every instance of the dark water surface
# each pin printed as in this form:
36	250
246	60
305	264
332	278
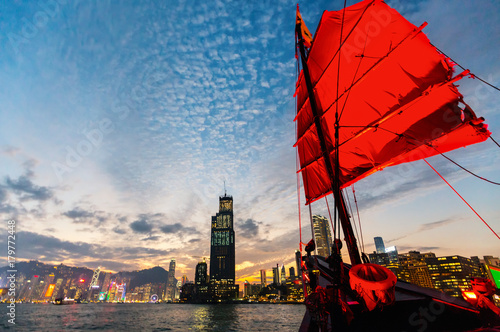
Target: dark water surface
154	317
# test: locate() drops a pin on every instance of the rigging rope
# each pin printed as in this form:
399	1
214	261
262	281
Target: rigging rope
477	214
350	210
328	206
494	141
465	169
472	75
359	219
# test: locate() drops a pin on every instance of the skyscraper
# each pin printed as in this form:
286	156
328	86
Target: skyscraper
276	275
263	280
283	275
222	253
201	278
297	262
322	235
171	282
379	245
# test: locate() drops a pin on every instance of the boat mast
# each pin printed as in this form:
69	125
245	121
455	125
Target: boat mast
333	176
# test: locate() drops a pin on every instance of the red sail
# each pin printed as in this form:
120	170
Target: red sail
396	98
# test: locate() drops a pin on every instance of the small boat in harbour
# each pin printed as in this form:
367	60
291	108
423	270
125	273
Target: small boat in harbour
64	301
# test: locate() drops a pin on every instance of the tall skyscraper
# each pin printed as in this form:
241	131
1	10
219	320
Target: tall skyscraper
322	235
201	278
263	280
222	253
379	245
170	290
276	275
297	262
292	272
283	275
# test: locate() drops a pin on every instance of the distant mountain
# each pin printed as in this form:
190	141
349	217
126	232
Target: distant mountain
33	268
154	275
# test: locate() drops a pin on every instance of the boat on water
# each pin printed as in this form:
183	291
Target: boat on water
373	92
64	301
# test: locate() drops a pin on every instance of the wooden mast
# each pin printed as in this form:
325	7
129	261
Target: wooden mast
334	176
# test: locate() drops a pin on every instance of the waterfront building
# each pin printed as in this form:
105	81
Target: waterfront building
294	289
298	259
171	286
379	245
392	254
222	252
283	275
184	279
200	290
322	235
451	274
263	280
276	275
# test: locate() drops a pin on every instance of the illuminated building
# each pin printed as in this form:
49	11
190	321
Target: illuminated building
57	289
392	254
263	279
298	259
380	259
292	272
222	252
322	235
184	279
283	275
170	289
246	289
451	274
276	275
200	283
106	283
49	287
379	245
418	271
294	289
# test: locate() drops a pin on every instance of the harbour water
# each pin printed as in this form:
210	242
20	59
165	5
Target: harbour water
155	317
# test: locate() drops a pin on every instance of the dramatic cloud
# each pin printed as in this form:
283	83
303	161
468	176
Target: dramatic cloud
141	226
81	216
27	190
248	228
177	228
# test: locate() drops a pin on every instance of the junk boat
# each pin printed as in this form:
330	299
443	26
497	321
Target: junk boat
373	92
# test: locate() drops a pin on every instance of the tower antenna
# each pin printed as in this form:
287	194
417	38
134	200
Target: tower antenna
225	193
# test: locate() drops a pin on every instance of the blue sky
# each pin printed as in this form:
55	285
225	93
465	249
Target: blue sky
121	121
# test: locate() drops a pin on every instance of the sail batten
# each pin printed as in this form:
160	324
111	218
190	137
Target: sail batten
399	103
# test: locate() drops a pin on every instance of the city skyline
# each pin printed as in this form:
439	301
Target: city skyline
120	132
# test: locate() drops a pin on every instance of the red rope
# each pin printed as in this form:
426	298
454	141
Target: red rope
359	219
477	214
331	222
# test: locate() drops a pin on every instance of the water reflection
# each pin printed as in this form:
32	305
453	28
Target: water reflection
215	317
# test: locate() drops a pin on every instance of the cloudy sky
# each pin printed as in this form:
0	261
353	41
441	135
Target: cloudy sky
122	120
